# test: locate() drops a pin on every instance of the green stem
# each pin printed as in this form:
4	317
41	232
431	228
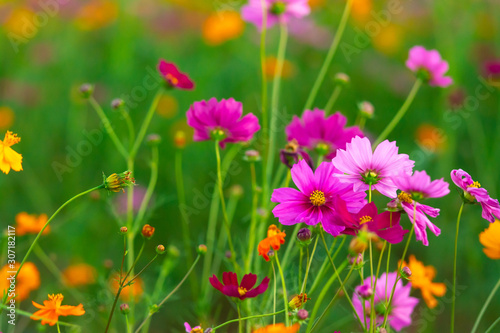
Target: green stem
319	276
453	292
274	294
329	56
285	297
130	126
400	113
490	329
58	328
372	299
332	99
301	258
309	265
151	186
246	318
485	306
120	288
142	270
240	328
265	116
253	222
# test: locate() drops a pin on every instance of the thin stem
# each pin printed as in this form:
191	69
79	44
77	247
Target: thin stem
130	126
240	328
246	318
301	258
265	116
142	270
453	292
274	294
400	113
372	280
285	297
129	329
253	222
333	99
58	328
309	265
120	288
131	269
319	276
490	329
329	56
151	186
485	306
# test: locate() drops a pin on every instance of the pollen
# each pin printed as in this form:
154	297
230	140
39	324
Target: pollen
364	219
172	79
242	291
475	184
405	197
317	198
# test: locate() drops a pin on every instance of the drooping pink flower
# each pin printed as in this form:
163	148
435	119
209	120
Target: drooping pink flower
474	193
413	189
324	135
232	288
400	309
314	201
174	77
361	167
221	121
429	65
277	10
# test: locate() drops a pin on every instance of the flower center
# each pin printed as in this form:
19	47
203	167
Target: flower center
317	198
10	139
322	148
172	79
197	330
405	197
370	177
424	74
417	195
364	219
218	134
474	184
242	291
278	8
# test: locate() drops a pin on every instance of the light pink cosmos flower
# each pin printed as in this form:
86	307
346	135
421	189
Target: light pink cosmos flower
359	166
277	10
314	202
473	193
401	307
317	132
430	65
221	121
413	189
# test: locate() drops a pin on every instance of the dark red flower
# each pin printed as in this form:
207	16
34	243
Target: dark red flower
244	290
173	77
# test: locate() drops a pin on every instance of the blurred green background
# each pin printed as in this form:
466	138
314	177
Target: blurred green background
116	45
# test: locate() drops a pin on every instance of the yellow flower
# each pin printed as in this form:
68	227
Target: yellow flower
20	22
6	117
279	328
30	224
490	238
388	41
9	159
222	26
360	11
79	275
96	14
51	310
421	278
27	280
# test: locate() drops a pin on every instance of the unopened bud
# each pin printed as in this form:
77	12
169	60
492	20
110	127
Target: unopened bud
86	90
228	254
406	272
341	78
160	249
365	291
304	236
270	253
356	259
124	308
148	231
123	230
298	301
252	156
302	314
236	190
153	139
366	109
117	103
202	249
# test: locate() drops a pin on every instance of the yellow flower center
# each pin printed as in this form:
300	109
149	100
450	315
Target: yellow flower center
365	219
172	79
197	330
242	291
317	198
475	184
406	197
10	139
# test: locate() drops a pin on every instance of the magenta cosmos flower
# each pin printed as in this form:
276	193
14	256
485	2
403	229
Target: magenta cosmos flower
221	121
400	309
413	189
232	288
361	167
314	202
383	225
173	77
189	329
324	135
428	65
473	193
277	10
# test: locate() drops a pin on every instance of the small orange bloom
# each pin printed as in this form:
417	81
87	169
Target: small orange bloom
222	26
9	159
79	275
274	239
135	290
148	231
51	310
30	224
360	11
6	117
96	14
421	278
27	280
270	68
279	328
431	138
490	238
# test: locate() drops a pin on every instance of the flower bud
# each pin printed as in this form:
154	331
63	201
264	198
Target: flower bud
180	139
341	78
148	231
302	314
86	90
117	103
252	156
160	249
365	291
298	301
124	308
153	139
357	246
406	272
118	181
366	109
304	236
270	253
236	190
356	259
228	254
202	249
123	230
208	330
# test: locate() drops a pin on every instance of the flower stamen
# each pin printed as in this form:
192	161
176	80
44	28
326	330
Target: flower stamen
242	291
317	198
365	219
405	197
475	184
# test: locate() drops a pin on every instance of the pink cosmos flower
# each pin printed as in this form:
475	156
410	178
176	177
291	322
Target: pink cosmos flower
361	167
400	309
473	193
413	189
232	288
276	10
221	121
173	77
429	64
189	329
314	202
325	135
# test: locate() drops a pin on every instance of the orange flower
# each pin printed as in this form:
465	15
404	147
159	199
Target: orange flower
361	10
27	280
490	238
274	239
79	275
6	117
135	290
148	231
270	68
421	278
30	224
431	138
222	26
9	159
51	310
279	328
96	14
